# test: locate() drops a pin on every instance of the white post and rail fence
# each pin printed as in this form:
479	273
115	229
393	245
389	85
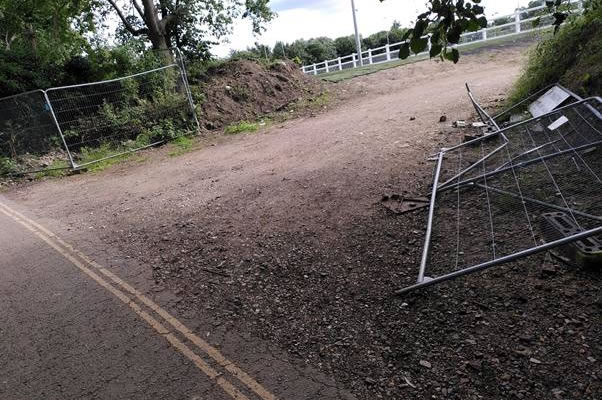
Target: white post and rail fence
521	22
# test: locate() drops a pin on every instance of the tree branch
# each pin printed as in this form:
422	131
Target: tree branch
168	20
138	8
128	26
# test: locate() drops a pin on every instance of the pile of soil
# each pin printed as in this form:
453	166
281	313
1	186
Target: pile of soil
246	90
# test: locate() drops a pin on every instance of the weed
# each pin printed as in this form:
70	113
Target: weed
239	93
182	145
572	57
105	150
240	127
56	169
7	166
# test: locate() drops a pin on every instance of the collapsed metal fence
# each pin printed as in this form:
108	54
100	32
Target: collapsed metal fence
523	189
95	121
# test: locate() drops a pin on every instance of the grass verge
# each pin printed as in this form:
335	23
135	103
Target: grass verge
572	57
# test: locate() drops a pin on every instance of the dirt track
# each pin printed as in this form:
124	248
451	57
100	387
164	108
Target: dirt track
281	234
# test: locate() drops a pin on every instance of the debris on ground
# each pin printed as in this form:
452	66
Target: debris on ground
401	205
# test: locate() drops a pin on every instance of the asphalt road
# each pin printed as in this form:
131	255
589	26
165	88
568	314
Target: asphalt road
71	329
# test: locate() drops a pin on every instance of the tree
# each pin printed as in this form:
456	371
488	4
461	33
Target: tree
320	49
396	32
344	45
280	50
46	28
191	25
297	49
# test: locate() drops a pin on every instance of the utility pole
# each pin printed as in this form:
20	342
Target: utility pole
358	44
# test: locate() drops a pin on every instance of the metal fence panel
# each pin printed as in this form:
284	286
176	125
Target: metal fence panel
527	188
26	126
105	119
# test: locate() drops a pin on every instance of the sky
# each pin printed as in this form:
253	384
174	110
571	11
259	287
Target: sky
305	19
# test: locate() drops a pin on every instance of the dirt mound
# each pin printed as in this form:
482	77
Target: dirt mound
245	90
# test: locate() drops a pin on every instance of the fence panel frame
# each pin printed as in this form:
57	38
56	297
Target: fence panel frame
75	165
48	106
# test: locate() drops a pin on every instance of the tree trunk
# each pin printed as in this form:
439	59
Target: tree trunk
156	31
30	34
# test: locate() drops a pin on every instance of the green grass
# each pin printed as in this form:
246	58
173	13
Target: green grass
339	76
241	127
367	69
57	169
182	145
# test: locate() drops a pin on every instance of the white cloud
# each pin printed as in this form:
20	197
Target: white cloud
306	19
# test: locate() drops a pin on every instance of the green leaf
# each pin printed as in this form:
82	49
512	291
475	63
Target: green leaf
452	55
404	51
536	22
419	28
453	34
406	35
418	45
435	49
473	25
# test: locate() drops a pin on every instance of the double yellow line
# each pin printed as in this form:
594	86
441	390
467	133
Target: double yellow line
136	301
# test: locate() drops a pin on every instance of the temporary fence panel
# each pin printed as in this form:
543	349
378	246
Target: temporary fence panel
26	125
527	188
105	119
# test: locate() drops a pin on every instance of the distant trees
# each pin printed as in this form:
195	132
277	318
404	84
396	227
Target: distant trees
344	45
322	48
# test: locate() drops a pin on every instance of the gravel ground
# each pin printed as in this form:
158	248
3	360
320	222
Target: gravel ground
282	234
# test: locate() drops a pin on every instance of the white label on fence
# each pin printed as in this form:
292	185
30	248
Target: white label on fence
558	123
548	102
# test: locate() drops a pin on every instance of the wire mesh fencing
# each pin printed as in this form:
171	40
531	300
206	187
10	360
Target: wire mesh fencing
26	126
87	123
105	119
525	189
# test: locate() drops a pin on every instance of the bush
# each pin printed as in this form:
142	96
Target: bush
7	166
572	57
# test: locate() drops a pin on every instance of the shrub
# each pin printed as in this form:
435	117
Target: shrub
7	166
572	57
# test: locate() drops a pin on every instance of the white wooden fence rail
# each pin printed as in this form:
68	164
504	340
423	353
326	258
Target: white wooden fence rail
390	52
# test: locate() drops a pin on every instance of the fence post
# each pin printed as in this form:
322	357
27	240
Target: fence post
340	64
354	60
184	76
315	70
517	20
430	44
369	56
326	63
484	33
58	127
